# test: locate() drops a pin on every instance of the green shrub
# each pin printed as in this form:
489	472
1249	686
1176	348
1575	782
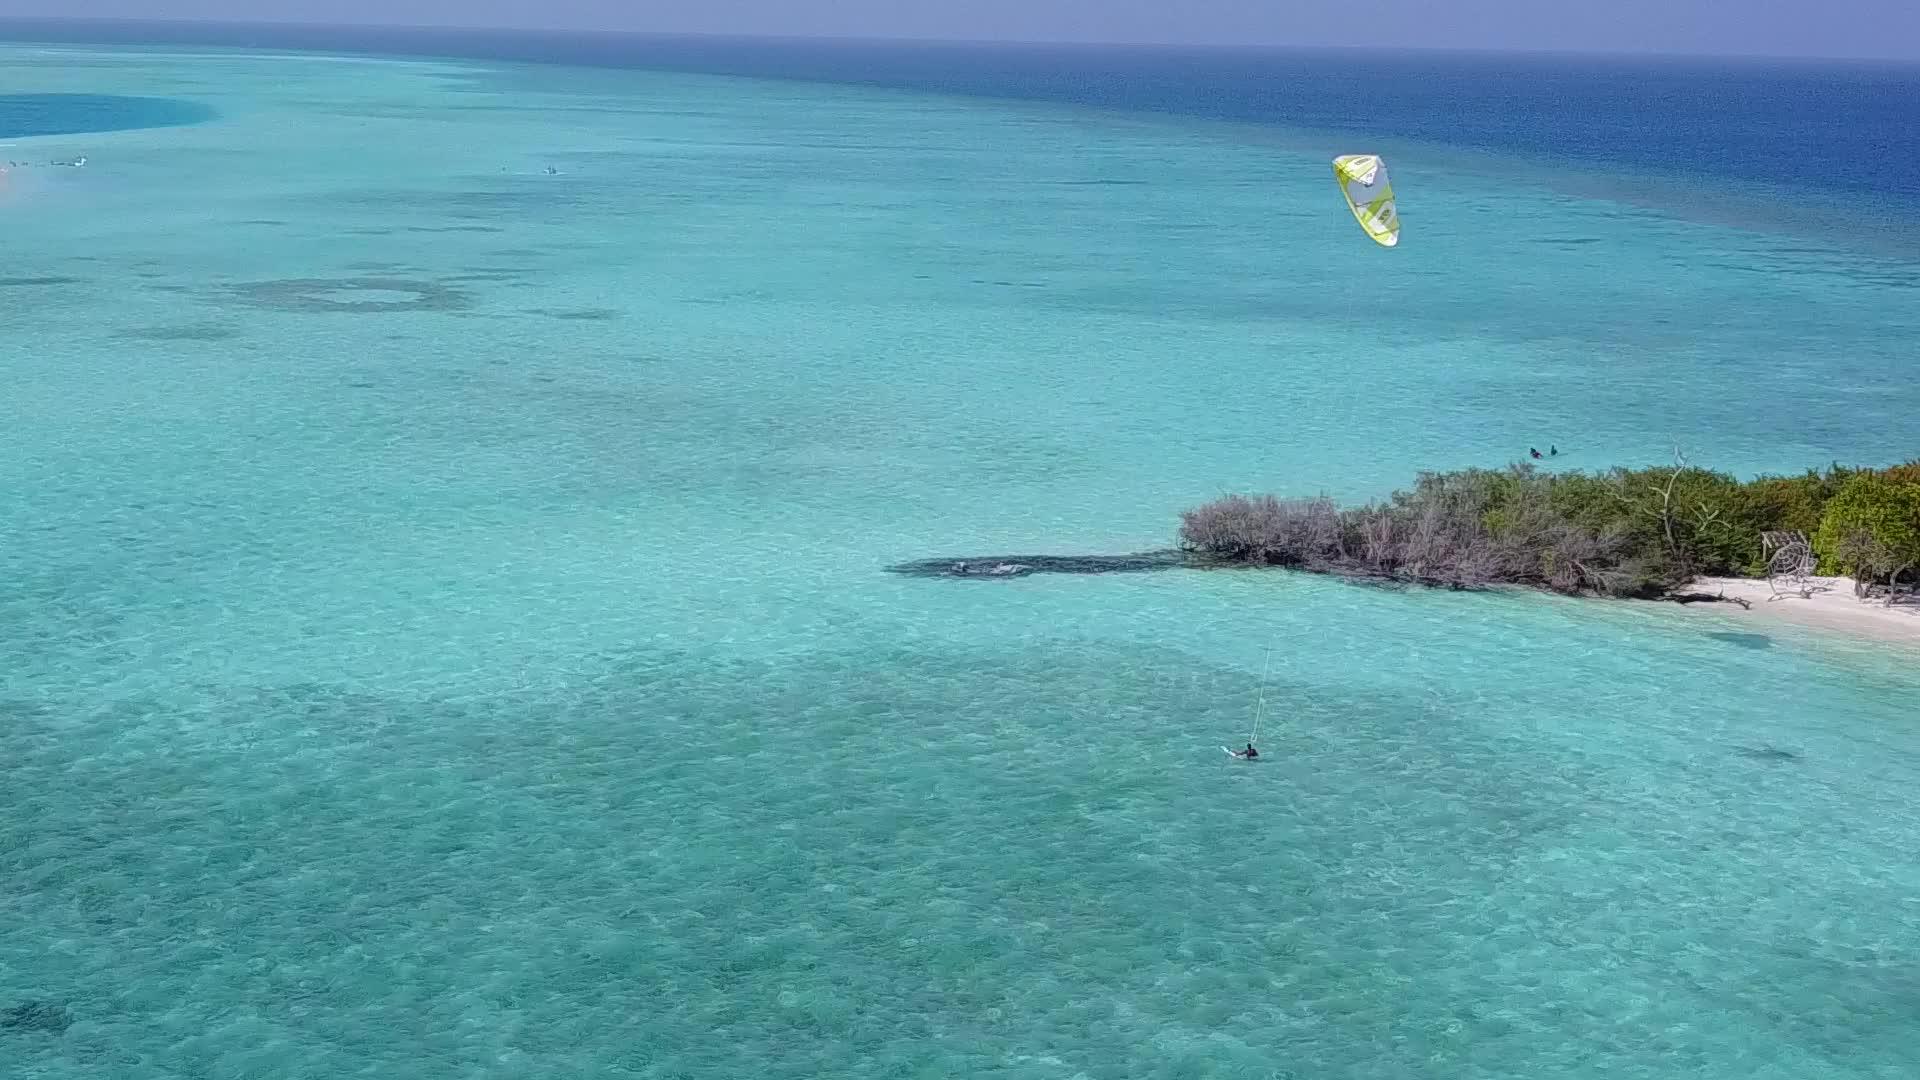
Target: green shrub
1870	529
1634	532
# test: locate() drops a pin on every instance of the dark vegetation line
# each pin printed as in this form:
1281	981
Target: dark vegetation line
1643	533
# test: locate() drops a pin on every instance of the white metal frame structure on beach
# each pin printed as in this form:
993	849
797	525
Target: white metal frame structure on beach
1790	563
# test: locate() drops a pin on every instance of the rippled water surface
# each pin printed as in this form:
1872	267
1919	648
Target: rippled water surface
445	628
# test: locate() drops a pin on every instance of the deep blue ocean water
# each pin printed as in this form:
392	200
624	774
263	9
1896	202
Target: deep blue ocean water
443	627
1818	128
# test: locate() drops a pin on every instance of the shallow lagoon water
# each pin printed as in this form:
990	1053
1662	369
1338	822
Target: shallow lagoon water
446	634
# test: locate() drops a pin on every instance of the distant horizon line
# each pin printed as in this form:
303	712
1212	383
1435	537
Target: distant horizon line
1063	43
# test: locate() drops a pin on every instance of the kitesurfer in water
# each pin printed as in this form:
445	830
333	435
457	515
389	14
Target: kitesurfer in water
1249	753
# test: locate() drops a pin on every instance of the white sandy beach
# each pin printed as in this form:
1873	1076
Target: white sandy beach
1830	606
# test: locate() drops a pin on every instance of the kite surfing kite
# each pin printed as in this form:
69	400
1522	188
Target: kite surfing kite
1363	180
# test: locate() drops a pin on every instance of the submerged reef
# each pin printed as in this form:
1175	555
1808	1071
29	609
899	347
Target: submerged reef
43	1016
1013	566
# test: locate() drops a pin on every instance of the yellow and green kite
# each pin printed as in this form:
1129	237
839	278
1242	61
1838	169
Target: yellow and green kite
1363	180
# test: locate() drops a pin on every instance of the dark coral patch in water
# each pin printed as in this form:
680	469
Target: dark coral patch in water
502	275
189	332
37	1016
352	295
578	314
25	282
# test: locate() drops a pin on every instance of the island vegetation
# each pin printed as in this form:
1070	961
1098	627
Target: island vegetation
1646	533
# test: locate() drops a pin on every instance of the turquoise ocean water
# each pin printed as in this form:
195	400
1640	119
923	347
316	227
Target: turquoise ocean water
445	635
